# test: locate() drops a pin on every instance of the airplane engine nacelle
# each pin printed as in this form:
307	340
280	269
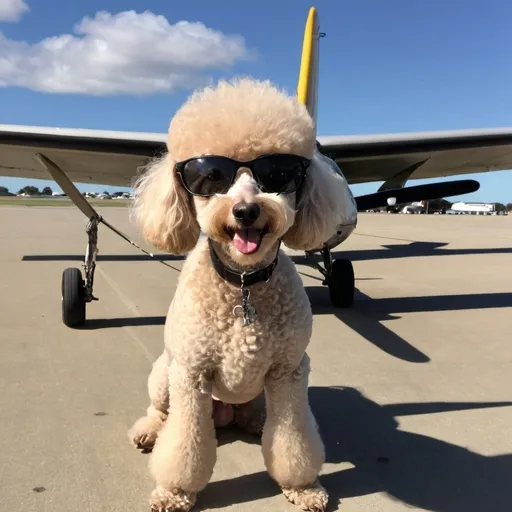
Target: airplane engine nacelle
348	218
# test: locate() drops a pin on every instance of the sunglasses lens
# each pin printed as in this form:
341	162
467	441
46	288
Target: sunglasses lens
280	174
208	176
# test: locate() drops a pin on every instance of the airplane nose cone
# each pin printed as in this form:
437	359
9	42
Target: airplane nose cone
246	213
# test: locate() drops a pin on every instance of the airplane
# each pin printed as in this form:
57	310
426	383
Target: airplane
113	158
411	208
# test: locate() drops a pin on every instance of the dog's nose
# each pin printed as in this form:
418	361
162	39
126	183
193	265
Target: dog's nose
246	213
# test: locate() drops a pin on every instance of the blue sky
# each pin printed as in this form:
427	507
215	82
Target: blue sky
391	66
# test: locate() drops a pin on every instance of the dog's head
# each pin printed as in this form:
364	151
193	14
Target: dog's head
240	168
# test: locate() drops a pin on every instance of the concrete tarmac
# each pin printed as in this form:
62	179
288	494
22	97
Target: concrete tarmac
412	388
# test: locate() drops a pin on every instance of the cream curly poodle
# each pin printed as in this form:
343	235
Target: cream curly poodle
241	168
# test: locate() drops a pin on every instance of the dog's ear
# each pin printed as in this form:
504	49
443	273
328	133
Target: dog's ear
163	209
324	202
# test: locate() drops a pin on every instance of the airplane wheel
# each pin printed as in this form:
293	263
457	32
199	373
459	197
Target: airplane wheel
73	298
342	283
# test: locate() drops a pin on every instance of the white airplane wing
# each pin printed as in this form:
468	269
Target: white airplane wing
113	157
86	156
396	158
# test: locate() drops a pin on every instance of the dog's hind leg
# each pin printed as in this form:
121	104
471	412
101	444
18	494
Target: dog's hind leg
185	452
293	450
144	432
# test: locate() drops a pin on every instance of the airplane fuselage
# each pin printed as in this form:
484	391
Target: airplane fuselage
348	221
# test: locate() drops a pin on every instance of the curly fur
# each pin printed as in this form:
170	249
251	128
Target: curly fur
163	209
262	370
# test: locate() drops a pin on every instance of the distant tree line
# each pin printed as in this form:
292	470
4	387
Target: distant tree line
433	205
29	190
34	191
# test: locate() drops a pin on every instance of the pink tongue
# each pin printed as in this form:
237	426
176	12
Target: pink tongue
247	240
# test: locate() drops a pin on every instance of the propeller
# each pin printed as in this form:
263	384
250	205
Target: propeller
417	193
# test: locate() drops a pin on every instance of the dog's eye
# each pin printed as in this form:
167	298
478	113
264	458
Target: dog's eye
278	176
214	175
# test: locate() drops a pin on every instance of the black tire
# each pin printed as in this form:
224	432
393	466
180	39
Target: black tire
342	284
73	298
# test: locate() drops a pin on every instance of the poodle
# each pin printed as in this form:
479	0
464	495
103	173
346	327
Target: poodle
241	175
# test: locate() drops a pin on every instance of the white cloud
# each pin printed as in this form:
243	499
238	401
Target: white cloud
12	10
124	53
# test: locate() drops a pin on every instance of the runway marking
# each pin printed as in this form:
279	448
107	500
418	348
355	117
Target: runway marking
386	237
133	308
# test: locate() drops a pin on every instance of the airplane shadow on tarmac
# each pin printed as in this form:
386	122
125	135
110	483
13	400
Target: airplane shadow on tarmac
367	313
415	469
411	250
364	318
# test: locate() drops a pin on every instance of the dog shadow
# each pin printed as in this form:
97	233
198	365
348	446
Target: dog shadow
233	434
377	457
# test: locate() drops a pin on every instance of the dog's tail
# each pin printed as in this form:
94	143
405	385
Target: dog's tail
307	89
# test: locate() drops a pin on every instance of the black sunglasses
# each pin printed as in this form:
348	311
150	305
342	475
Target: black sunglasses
208	175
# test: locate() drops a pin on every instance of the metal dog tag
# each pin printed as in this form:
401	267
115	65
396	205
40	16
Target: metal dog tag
245	311
248	315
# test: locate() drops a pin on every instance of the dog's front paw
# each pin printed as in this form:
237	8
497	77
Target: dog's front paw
144	432
175	500
313	498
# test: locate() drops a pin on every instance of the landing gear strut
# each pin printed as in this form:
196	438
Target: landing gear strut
76	291
339	277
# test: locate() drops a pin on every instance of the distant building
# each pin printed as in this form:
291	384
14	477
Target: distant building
462	208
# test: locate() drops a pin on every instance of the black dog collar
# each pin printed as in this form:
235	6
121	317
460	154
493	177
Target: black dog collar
242	279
